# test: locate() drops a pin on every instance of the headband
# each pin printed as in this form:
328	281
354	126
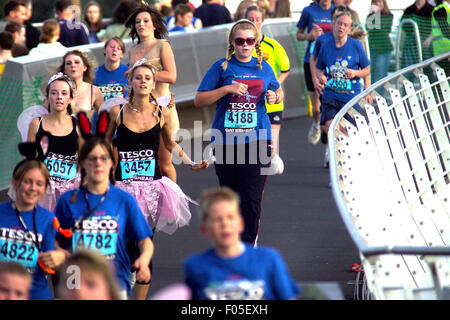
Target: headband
58	76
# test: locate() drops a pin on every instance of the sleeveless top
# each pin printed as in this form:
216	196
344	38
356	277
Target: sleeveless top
138	153
154	54
62	154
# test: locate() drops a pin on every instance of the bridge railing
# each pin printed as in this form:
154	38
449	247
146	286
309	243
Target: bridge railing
389	171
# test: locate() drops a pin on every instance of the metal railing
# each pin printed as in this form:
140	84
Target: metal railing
389	172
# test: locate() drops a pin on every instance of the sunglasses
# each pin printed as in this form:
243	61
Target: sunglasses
241	41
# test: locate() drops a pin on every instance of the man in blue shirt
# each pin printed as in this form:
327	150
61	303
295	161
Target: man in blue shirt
212	13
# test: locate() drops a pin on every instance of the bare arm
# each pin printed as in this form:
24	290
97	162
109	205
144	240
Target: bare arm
282	77
174	147
32	130
169	72
113	112
146	249
98	98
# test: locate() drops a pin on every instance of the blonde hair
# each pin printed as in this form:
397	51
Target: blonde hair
152	98
243	24
212	196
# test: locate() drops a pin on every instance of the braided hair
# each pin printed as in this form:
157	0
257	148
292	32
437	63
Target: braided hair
243	24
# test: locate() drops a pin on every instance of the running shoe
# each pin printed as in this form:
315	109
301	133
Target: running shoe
314	133
277	164
326	158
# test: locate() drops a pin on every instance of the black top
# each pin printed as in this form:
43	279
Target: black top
138	153
62	145
213	14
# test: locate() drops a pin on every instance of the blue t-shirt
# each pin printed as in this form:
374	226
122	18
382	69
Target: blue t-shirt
335	61
112	83
314	14
257	274
17	245
108	229
315	49
241	119
177	28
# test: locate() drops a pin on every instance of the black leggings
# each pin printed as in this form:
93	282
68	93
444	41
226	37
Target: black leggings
248	180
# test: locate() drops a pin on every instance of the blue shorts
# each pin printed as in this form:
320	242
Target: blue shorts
331	107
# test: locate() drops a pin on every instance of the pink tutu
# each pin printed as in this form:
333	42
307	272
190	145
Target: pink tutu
53	192
162	201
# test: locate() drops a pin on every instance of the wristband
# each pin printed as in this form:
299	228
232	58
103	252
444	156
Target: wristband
192	164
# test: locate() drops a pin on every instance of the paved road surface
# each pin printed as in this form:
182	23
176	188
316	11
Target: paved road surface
299	219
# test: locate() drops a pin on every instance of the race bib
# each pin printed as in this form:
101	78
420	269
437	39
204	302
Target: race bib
111	91
96	234
61	169
241	114
242	289
24	253
138	169
339	85
105	243
241	119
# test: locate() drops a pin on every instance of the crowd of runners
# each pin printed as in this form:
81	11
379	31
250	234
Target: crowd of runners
97	181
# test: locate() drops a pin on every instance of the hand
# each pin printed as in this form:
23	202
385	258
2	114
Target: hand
200	166
315	32
237	88
318	85
427	42
271	97
350	73
52	259
143	274
369	99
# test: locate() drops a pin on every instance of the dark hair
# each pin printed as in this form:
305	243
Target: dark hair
158	22
87	147
123	10
282	9
11	6
182	9
97	26
62	5
6	40
177	2
13	27
254	8
69	82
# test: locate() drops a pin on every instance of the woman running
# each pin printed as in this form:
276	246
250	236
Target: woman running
28	230
148	26
61	159
103	217
239	84
139	131
279	61
87	97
